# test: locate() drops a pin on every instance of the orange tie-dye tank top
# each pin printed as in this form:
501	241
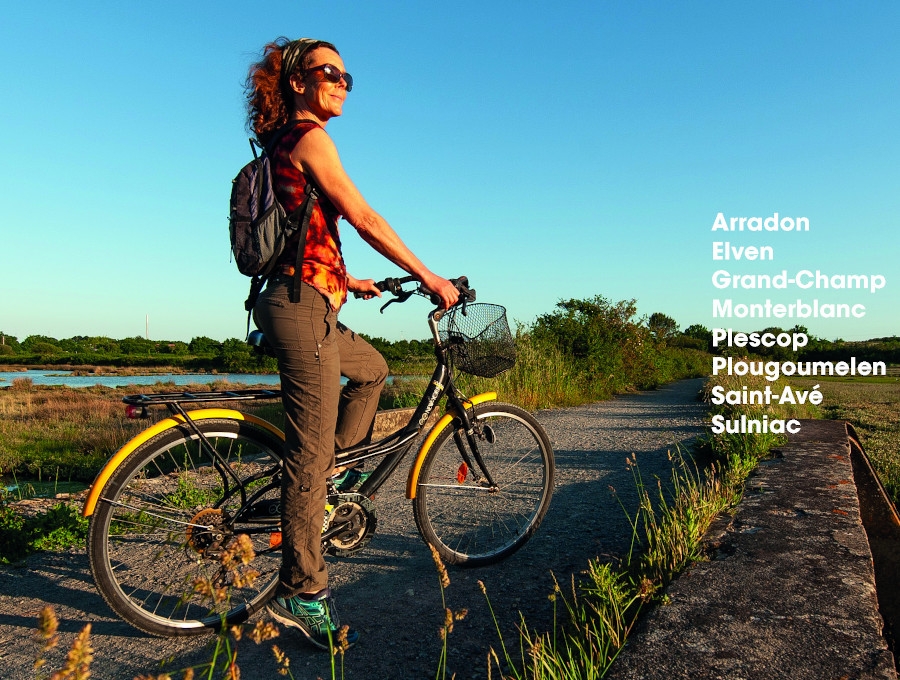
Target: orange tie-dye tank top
323	265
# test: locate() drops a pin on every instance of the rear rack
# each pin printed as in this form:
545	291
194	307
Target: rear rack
165	398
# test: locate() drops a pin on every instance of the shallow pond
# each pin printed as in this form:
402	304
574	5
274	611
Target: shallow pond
67	379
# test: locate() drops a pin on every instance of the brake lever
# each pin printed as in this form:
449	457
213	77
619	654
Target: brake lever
403	296
391	285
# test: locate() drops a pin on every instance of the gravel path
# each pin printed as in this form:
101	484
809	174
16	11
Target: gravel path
390	591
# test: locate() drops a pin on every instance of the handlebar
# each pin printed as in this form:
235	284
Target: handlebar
394	286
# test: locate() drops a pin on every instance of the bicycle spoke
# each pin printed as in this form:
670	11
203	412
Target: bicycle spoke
163	524
470	523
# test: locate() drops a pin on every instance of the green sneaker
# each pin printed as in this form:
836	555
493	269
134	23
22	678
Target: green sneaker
317	618
350	480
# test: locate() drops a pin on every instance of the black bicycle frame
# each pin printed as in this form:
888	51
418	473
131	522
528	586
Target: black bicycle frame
394	447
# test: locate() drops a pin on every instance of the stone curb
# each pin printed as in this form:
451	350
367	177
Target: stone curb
391	420
789	591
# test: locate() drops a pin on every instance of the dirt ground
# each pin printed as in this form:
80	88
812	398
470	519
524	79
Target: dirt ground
390	591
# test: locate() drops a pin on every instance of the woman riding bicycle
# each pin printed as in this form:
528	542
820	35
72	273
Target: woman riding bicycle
300	85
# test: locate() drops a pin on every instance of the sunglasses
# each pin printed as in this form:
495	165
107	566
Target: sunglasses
332	74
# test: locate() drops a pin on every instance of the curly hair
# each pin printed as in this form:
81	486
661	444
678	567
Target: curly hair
269	97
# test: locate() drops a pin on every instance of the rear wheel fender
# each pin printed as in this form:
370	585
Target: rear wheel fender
167	424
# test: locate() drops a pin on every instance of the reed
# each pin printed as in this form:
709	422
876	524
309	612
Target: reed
545	376
68	433
667	532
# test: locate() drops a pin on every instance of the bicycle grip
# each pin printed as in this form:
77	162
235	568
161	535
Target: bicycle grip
466	294
391	285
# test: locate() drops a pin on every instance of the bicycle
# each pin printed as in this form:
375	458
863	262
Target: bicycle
169	507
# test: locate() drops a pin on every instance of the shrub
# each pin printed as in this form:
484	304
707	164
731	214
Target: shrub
59	528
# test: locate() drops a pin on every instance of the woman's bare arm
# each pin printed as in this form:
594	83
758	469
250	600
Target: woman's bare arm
317	155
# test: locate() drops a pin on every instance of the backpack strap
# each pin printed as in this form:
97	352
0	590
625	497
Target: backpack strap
256	286
282	131
312	195
301	215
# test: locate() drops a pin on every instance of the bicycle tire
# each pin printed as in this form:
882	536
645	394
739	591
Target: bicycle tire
145	542
468	523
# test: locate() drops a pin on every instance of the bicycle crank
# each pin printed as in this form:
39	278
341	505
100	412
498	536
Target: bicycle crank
349	524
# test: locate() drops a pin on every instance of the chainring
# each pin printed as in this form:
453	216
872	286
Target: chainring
349	525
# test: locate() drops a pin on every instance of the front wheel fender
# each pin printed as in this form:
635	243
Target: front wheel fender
445	421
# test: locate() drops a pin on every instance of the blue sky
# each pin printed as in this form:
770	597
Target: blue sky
547	152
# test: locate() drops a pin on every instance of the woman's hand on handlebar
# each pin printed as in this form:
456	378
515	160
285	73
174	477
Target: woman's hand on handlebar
444	289
364	288
450	292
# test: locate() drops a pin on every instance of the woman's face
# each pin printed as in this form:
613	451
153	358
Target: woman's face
320	97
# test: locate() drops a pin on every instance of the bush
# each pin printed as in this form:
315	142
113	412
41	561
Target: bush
59	528
587	350
609	349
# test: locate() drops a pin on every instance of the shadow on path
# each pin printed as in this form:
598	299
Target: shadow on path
390	591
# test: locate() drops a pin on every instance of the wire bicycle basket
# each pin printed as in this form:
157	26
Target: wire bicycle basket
478	338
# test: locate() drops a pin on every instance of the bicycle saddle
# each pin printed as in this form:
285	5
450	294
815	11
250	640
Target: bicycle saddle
257	340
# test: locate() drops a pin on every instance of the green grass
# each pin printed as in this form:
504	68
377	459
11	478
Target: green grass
404	392
59	528
61	435
604	605
667	531
545	377
188	494
872	406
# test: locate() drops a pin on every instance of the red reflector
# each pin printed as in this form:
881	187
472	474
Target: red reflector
275	539
462	472
133	412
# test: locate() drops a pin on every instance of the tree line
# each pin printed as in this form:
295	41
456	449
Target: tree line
885	349
201	353
601	336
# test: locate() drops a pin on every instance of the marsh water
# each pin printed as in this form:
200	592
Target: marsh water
69	379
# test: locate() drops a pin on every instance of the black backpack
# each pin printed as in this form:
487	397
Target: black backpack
259	226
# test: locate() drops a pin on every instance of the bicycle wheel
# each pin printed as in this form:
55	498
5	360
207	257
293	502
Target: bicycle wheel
459	513
164	526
